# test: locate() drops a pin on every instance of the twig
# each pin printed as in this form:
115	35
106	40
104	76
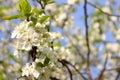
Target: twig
116	68
75	69
78	51
42	6
102	10
100	75
64	64
117	77
33	53
69	72
87	39
54	78
22	77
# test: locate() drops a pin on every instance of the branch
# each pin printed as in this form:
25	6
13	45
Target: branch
18	78
75	69
111	69
64	64
53	78
42	6
117	77
33	52
100	75
78	51
87	39
102	10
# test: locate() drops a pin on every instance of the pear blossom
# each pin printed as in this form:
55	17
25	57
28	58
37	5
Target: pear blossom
113	47
71	2
113	18
106	9
29	70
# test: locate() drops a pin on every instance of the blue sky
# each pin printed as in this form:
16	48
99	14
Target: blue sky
80	22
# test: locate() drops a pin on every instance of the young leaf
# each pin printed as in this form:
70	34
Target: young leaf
50	1
47	1
23	6
12	17
46	61
44	18
39	64
34	20
37	11
3	7
56	44
41	11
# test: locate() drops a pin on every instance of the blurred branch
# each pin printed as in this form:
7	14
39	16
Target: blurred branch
116	68
53	78
64	64
81	74
42	5
70	40
33	53
102	10
87	39
18	78
117	77
67	35
100	75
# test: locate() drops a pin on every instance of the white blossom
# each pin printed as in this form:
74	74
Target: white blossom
29	70
113	47
106	9
113	18
71	2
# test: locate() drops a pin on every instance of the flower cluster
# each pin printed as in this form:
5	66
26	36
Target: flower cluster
28	35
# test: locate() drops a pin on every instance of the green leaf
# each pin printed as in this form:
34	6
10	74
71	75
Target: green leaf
56	44
50	1
41	11
23	6
2	72
46	61
47	1
39	64
44	18
96	40
37	11
2	76
3	7
12	17
34	20
47	27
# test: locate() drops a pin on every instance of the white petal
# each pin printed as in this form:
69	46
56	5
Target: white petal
36	74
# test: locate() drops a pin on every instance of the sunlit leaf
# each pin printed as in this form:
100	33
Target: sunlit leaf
12	17
44	18
23	6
